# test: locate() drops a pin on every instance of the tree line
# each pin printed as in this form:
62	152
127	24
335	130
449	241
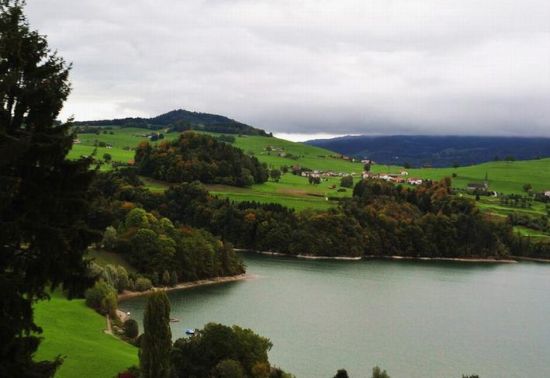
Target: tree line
380	220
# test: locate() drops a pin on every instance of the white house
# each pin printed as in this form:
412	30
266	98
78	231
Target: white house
547	193
415	181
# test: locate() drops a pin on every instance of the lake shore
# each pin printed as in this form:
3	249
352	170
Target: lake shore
307	257
534	259
457	259
184	285
373	257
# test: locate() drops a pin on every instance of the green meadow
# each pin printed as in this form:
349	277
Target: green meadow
76	332
296	192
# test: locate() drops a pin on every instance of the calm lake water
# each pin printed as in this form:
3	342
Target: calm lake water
414	319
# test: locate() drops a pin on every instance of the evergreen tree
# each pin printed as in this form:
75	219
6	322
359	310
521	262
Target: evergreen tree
342	373
379	373
43	196
156	342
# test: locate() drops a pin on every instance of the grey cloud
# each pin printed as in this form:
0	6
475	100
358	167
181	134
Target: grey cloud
338	67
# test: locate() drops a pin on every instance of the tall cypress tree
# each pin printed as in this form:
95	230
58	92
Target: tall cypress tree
43	196
156	342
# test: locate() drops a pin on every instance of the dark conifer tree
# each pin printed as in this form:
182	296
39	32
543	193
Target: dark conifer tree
42	195
156	342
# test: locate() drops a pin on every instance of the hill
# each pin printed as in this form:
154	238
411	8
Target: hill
75	331
437	151
180	120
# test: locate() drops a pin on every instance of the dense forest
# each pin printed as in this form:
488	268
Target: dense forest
380	220
182	120
199	157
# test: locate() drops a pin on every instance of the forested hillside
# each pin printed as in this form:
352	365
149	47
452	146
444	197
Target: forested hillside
437	151
181	120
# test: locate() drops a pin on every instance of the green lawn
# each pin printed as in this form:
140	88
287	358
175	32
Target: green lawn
75	331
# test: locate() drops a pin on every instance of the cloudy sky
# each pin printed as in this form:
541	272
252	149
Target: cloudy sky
311	67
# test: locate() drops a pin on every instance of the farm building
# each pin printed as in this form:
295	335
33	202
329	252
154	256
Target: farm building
478	186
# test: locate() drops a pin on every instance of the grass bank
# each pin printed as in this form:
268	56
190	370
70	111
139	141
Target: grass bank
77	332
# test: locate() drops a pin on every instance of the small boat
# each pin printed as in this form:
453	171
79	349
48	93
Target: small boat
174	320
189	331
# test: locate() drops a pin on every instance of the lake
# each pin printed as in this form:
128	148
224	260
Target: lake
412	318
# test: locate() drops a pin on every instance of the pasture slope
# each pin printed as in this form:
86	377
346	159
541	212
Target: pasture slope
296	192
75	332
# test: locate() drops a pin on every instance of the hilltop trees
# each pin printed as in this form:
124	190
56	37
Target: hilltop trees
156	342
199	157
43	196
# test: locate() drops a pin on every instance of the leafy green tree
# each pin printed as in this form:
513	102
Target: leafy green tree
123	280
137	218
155	279
43	196
174	278
143	284
379	373
166	278
131	328
110	275
102	297
527	187
346	181
222	343
275	175
156	341
107	157
109	238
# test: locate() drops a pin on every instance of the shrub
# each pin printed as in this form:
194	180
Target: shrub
143	284
131	329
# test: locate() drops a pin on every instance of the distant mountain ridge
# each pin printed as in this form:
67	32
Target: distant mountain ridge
181	120
437	151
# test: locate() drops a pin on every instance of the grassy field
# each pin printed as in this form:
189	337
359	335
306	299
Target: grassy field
75	331
296	192
504	176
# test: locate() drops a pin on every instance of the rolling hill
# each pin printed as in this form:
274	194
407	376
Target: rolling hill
180	120
295	191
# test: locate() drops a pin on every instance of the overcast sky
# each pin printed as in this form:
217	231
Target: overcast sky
311	67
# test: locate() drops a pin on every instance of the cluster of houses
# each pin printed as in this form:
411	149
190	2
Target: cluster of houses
396	178
325	174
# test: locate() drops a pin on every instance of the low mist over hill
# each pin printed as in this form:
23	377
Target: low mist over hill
181	120
438	151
